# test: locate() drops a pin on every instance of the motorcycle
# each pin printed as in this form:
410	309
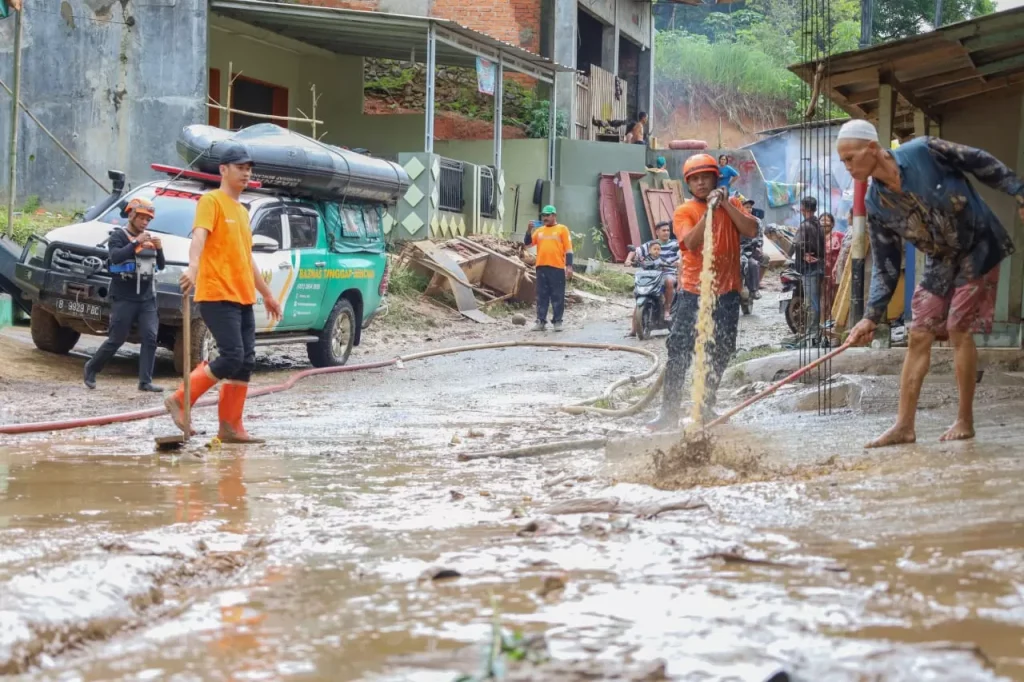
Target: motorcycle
791	302
649	292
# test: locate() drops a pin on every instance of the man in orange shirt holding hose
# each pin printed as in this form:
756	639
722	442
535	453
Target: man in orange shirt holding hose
226	278
729	222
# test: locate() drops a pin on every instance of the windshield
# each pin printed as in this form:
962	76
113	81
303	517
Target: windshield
175	209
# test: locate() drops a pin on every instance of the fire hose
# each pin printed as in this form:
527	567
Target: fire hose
289	383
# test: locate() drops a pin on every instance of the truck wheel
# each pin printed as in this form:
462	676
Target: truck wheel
203	347
49	335
336	337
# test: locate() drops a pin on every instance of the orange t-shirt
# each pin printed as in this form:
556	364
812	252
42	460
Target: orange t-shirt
225	267
689	216
552	244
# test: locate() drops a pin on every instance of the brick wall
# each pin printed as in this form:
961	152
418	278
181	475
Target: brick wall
513	21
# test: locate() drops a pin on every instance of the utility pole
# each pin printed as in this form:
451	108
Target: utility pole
938	14
867	22
12	158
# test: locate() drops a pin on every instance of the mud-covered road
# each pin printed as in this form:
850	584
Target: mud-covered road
314	557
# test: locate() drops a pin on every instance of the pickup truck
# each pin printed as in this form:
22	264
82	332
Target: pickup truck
324	261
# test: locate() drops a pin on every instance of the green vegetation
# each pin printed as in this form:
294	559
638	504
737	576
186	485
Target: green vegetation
403	86
754	354
735	56
611	281
31	220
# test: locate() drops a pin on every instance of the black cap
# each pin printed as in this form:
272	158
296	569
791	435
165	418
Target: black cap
232	152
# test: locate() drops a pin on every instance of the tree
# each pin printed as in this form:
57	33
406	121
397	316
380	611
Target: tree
896	19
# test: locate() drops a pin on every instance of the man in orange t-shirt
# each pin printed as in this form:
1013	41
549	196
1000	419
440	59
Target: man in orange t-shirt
729	222
554	265
226	279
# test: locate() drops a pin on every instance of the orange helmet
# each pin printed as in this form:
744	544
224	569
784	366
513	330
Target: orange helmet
700	163
142	206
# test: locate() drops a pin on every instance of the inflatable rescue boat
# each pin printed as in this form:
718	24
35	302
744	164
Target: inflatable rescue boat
283	159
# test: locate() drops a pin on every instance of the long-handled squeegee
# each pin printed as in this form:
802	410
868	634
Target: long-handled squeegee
776	386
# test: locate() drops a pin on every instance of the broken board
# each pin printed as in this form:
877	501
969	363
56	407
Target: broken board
660	206
613	219
446	266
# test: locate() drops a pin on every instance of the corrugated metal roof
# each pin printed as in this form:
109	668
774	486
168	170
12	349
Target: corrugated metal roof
931	72
383	35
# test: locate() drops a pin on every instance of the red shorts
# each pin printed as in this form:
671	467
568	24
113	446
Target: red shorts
968	308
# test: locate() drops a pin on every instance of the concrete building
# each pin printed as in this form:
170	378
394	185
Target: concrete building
115	81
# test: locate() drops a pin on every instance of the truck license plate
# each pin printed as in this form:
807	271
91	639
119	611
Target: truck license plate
88	311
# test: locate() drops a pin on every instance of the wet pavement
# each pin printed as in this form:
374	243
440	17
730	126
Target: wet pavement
312	557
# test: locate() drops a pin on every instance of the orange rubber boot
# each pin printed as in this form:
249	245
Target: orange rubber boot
201	381
230	408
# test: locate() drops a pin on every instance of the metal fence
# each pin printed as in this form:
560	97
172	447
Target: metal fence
450	184
488	193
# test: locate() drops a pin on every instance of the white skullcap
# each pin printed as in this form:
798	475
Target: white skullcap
858	129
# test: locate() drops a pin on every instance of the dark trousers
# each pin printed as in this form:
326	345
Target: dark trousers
124	314
683	337
233	326
550	290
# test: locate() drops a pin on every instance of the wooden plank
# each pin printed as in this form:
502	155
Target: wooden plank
646	197
1016	302
886	110
677	191
945	78
629	204
887	77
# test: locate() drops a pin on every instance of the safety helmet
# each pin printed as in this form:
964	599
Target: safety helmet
141	206
700	163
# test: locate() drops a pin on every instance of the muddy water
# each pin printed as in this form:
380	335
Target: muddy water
310	558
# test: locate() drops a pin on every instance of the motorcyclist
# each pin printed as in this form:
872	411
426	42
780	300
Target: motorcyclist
752	256
668	261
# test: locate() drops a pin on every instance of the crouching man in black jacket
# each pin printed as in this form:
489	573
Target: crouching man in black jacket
132	292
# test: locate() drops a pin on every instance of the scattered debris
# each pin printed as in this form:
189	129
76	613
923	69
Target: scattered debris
613	505
552	584
456	495
519	319
436	573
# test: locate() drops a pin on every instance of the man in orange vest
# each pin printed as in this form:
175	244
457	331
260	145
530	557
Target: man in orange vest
729	222
226	279
554	266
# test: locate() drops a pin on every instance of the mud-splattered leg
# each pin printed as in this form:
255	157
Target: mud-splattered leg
680	350
727	318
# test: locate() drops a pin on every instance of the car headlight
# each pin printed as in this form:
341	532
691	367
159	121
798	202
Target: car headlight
170	274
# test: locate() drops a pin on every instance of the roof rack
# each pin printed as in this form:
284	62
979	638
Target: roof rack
195	175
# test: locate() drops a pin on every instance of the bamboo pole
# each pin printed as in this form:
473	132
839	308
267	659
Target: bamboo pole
266	116
54	138
12	158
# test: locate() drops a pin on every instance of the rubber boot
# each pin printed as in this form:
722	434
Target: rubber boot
201	381
229	409
667	420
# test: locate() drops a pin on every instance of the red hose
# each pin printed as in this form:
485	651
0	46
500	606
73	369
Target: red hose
38	427
138	415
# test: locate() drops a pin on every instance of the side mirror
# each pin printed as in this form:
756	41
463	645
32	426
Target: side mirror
264	244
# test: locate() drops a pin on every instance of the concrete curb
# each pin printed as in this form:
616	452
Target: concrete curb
866	361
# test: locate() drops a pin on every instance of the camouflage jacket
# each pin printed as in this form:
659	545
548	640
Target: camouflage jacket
940	213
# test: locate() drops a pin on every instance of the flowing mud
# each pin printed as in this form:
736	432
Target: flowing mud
356	546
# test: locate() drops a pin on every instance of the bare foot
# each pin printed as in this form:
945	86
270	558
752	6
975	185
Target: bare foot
897	435
960	430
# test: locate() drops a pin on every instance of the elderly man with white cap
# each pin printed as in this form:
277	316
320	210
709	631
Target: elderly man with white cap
920	193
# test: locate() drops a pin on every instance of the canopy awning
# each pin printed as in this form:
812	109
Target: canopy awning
385	36
931	72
